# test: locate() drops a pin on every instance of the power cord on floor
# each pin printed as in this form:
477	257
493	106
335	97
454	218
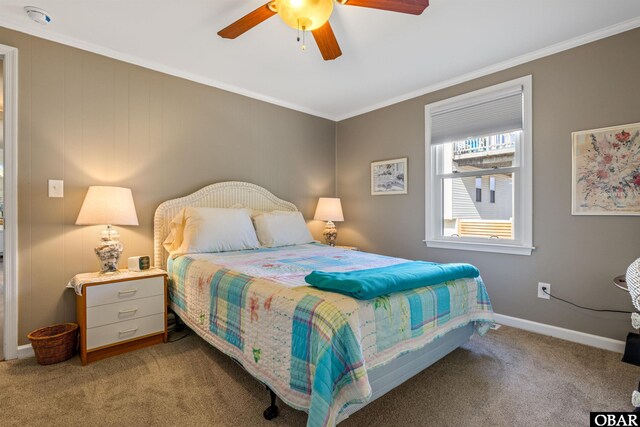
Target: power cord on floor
544	289
177	328
172	338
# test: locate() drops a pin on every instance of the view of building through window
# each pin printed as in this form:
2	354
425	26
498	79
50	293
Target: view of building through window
479	161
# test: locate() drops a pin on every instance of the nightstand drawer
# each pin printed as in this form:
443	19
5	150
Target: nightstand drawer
123	331
126	290
125	310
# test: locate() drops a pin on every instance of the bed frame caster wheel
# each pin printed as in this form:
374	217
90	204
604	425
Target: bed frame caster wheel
272	411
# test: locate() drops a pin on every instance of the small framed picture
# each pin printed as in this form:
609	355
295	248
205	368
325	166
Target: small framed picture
389	177
606	171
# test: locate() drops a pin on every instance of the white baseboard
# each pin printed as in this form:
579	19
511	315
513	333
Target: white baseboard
562	333
25	351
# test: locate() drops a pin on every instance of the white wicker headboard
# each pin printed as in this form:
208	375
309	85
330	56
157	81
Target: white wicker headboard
220	195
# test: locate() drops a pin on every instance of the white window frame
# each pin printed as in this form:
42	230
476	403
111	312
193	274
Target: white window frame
522	244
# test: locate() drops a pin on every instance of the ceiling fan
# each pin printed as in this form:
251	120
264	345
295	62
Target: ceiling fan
313	15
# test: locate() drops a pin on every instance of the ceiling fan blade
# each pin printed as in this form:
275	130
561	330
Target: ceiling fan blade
326	41
247	22
414	7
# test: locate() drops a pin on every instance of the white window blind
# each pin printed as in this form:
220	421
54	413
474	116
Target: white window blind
489	115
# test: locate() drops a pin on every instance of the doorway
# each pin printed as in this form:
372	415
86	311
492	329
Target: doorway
9	129
2	290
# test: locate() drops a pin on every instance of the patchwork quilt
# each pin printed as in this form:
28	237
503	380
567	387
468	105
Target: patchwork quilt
313	348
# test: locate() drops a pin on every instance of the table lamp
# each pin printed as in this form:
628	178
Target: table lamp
329	209
108	206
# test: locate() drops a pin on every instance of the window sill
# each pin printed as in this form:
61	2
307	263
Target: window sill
481	247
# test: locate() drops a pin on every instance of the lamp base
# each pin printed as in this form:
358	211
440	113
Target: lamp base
109	250
330	233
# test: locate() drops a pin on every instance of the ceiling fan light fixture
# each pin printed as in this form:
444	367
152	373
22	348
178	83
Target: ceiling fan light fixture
313	16
306	15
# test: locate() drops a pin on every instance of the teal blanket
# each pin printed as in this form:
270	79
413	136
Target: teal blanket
375	282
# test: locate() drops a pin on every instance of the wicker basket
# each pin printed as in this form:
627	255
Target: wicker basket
55	343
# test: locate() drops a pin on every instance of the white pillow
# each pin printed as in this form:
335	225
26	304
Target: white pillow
197	230
281	228
176	228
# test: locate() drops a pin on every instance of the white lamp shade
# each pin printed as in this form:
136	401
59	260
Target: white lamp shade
329	209
108	206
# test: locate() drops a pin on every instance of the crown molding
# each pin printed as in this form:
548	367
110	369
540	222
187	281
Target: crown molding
141	62
510	63
135	60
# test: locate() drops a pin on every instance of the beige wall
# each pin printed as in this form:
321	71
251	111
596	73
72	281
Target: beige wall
91	120
591	86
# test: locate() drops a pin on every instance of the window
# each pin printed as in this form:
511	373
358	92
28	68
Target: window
474	142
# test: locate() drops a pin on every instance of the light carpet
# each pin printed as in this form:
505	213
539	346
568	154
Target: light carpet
507	378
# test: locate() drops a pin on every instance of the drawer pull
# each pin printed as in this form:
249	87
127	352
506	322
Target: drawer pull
123	312
128	292
128	331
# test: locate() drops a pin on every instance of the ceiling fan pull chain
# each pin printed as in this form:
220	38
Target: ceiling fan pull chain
304	45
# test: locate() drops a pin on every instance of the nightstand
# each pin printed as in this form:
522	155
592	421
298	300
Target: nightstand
120	312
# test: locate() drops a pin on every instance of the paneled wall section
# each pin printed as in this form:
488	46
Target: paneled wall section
588	87
91	120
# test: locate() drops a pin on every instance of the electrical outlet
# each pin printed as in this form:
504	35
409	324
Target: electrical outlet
547	287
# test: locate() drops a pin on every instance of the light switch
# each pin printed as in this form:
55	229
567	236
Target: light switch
56	188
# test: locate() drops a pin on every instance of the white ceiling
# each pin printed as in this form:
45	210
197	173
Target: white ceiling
386	56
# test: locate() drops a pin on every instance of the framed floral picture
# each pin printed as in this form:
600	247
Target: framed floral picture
606	171
389	177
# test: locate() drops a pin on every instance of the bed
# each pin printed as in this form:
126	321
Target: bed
321	352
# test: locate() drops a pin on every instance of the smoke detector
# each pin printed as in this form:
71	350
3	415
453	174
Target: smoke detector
39	15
